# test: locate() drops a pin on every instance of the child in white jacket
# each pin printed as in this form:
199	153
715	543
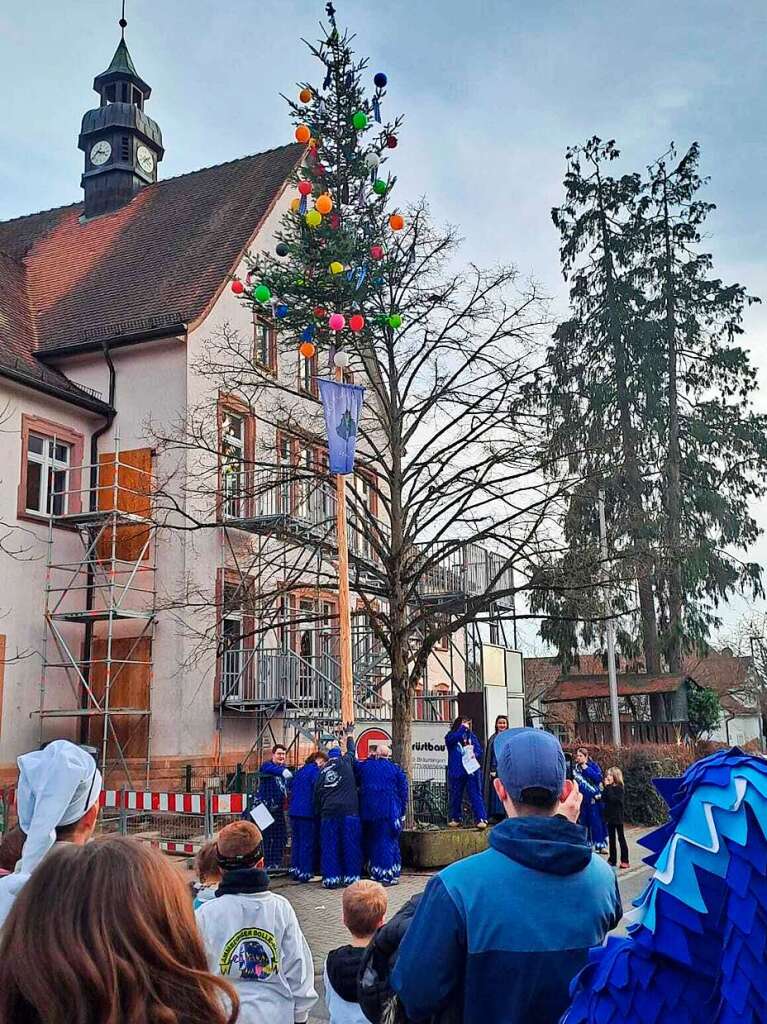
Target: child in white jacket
252	936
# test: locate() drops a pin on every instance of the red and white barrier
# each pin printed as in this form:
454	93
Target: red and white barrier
228	803
169	846
172	803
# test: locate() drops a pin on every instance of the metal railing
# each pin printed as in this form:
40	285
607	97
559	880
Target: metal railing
469	569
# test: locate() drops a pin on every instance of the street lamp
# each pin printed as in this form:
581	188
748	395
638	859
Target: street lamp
612	678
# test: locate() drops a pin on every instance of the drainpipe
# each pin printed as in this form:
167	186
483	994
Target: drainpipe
90	590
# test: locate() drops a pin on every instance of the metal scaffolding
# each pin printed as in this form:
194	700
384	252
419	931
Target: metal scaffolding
100	611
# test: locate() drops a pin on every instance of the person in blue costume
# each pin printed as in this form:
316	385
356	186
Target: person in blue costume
383	804
459	779
275	779
490	772
336	804
588	775
697	941
304	826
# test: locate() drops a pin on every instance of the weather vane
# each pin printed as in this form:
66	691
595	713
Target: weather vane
122	23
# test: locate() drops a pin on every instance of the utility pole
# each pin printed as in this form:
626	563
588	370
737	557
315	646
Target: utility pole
612	679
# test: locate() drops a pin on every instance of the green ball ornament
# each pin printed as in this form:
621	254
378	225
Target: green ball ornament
313	218
360	120
380	187
395	320
261	293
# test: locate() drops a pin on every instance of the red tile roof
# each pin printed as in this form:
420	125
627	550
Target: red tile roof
159	260
629	685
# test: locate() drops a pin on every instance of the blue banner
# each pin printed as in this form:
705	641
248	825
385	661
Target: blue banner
342	404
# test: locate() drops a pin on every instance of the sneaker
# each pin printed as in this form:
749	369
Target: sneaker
454	824
624	863
482	825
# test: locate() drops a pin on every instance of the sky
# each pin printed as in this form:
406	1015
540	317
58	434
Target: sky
493	91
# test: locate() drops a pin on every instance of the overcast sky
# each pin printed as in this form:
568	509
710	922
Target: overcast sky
492	91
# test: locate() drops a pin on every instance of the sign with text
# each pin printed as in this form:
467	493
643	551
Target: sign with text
427	738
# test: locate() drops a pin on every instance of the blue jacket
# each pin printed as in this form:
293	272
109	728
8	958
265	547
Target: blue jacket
506	931
335	791
273	787
302	791
383	790
454	741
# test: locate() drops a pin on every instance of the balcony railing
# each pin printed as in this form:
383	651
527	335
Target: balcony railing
469	569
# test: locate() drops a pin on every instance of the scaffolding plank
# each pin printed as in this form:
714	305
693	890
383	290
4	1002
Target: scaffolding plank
90	712
102	615
99	516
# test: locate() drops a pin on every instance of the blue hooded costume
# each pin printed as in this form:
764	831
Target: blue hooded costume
589	780
305	832
697	945
458	779
337	805
383	803
272	792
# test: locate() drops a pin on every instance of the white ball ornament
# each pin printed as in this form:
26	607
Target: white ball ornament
341	360
372	159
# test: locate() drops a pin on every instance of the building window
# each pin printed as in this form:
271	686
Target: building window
233	463
307	375
48	464
264	343
125	142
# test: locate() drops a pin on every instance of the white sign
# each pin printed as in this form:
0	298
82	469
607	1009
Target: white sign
427	746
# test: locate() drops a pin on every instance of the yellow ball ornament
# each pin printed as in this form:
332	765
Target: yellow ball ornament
313	218
336	267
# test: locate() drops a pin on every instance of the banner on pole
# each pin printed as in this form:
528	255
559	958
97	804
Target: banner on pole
342	404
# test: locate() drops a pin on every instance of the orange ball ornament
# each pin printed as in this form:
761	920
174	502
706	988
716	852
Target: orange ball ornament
294	205
396	222
324	204
302	133
307	349
305	95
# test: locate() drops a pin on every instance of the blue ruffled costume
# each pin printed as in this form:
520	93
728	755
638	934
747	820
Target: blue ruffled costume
304	825
458	780
589	780
272	791
383	804
337	804
697	946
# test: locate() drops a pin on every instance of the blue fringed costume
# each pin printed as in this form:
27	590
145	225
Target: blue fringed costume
272	792
383	804
337	805
697	946
589	780
304	825
458	779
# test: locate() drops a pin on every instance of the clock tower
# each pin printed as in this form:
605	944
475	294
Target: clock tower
122	145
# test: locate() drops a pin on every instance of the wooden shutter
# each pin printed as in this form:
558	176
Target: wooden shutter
129	688
132	494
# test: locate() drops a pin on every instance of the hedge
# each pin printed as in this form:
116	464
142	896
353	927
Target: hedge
641	764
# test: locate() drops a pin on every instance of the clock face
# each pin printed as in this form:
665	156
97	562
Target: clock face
145	159
100	153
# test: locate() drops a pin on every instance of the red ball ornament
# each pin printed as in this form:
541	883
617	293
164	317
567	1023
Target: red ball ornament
376	251
335	221
238	287
356	322
305	188
320	312
391	141
319	170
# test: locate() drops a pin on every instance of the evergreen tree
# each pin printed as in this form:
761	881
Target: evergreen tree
714	445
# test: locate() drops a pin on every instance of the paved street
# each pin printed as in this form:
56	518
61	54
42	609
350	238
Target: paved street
319	910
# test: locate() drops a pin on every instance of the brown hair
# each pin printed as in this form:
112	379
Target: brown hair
11	847
105	934
208	870
364	907
237	840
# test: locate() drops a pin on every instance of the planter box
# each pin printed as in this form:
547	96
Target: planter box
438	848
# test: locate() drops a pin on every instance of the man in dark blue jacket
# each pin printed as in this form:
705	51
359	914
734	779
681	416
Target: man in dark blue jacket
336	803
503	933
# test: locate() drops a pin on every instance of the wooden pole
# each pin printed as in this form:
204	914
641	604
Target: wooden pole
344	608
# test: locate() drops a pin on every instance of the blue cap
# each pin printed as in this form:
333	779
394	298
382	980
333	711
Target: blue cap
529	759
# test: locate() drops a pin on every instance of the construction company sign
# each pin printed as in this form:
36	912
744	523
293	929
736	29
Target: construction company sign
428	744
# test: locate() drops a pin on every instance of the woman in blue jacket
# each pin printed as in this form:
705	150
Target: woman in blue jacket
304	825
272	792
588	776
383	804
459	778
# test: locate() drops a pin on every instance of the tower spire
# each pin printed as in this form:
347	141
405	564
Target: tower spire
122	22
